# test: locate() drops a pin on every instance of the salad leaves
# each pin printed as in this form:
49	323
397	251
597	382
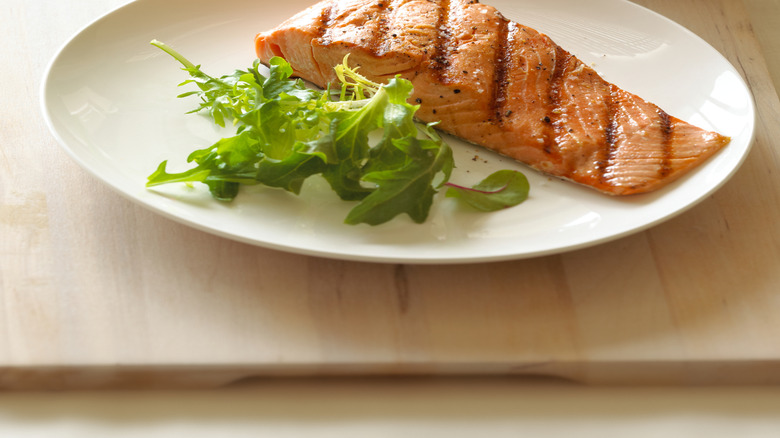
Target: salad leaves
362	139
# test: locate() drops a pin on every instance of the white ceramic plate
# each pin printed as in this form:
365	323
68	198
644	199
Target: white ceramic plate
109	98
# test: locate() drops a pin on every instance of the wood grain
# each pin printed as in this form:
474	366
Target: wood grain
98	292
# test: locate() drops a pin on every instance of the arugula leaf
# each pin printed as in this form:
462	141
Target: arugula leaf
277	81
406	188
222	97
291	171
351	142
161	176
502	189
222	167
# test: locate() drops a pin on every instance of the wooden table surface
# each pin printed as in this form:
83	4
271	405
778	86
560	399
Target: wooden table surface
96	291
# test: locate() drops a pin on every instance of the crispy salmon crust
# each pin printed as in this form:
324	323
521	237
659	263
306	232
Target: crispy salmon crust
498	84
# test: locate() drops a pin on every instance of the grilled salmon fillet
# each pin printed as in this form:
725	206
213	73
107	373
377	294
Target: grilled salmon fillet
498	84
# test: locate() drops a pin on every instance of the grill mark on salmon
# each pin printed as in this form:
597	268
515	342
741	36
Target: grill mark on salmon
666	130
376	39
539	104
556	82
503	63
389	33
442	49
324	22
609	133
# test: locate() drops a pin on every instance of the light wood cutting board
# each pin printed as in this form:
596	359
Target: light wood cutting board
98	292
